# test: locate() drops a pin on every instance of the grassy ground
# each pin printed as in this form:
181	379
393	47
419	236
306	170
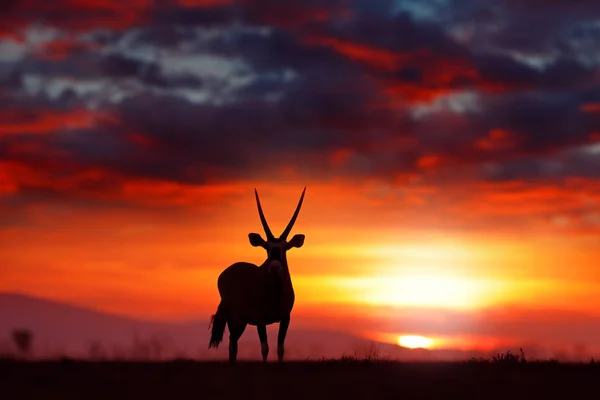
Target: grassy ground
345	379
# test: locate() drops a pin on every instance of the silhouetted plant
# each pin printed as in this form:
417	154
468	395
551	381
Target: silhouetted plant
22	339
523	359
501	358
349	358
509	358
372	355
478	360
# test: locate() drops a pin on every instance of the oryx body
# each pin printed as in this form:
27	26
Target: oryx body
258	295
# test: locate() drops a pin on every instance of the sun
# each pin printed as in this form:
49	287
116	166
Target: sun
415	342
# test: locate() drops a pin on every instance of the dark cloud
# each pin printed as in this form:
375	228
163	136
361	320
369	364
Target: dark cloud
513	130
581	162
93	66
166	20
401	33
10	76
564	73
534	27
326	86
153	75
541	121
506	71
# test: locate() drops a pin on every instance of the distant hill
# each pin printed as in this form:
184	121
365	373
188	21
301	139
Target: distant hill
64	329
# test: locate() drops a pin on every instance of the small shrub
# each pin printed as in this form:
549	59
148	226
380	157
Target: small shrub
509	358
478	360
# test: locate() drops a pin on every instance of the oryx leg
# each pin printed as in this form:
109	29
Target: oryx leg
283	327
235	332
264	343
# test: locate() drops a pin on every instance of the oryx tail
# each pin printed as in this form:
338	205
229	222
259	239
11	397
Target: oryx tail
217	323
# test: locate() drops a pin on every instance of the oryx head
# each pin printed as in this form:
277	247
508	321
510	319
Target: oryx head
276	247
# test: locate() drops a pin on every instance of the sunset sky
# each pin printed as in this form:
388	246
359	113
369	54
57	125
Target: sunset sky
450	150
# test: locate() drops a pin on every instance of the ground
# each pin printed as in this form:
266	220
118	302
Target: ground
69	379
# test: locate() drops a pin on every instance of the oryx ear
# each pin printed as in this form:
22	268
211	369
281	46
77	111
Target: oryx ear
297	241
256	240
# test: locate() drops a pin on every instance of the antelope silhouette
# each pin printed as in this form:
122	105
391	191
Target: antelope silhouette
258	295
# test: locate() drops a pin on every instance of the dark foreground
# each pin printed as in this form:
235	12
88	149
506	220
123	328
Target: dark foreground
296	380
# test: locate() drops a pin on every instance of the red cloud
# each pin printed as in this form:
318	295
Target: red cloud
76	15
429	161
141	140
18	122
381	59
54	171
92	183
80	182
590	108
497	139
292	14
202	3
58	50
340	157
87	15
438	74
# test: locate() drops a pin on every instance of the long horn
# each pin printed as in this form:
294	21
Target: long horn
289	226
262	218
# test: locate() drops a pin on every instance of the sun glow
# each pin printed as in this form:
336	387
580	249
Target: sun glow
415	342
426	290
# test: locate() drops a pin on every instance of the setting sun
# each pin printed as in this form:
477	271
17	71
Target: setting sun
415	342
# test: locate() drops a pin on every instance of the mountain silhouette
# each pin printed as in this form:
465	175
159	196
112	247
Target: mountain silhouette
62	329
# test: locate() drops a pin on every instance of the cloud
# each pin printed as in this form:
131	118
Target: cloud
177	94
79	16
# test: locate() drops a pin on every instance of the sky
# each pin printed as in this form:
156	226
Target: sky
450	150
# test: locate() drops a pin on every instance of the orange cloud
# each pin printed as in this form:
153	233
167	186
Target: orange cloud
155	192
545	208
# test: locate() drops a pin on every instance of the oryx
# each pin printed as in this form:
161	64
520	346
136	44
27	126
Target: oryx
253	295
